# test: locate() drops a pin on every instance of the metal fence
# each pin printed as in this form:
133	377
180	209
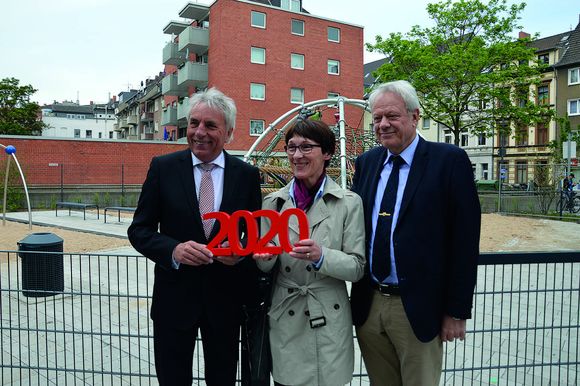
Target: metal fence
97	330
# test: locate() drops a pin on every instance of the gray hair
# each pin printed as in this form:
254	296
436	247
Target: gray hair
401	88
217	100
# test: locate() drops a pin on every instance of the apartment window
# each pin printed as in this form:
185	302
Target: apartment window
522	136
100	135
574	107
573	76
77	133
464	139
426	123
543	95
258	19
297	61
484	172
258	55
541	134
333	67
297	95
110	135
447	136
333	34
332	95
521	172
297	27
481	140
503	170
544	58
257	91
291	5
88	134
256	127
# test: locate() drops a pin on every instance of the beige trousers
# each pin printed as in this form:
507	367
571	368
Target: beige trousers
392	353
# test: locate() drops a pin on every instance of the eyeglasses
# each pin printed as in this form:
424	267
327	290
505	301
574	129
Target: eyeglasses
305	148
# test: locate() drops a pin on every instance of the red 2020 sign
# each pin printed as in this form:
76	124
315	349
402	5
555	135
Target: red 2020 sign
229	230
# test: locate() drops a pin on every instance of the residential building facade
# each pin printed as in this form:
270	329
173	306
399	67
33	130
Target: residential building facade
71	120
269	56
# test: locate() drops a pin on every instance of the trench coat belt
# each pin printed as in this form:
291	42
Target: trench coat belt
309	290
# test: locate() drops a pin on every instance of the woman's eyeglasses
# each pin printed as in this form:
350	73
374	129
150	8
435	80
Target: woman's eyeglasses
305	148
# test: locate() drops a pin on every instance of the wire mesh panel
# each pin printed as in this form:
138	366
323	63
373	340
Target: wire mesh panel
524	330
525	327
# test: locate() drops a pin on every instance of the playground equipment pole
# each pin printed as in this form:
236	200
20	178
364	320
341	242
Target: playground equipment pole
11	151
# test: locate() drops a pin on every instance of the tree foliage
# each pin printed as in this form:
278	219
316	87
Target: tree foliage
18	115
469	74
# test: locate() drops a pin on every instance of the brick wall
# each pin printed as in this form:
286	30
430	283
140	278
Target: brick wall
84	161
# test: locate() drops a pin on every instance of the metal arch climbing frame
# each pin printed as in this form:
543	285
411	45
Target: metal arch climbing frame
10	151
340	102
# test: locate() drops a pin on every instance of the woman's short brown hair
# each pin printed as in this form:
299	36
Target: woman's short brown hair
316	131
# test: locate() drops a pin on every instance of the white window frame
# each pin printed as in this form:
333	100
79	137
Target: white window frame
292	27
257	121
329	28
292	57
481	140
426	123
258	51
447	136
290	5
252	19
571	72
464	139
293	90
256	87
333	63
576	102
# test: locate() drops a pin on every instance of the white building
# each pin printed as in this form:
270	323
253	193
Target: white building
71	120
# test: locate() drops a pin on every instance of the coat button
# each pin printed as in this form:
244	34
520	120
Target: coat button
309	268
290	290
291	313
287	269
336	306
307	313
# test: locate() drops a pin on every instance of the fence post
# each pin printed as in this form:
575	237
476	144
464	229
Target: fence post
61	181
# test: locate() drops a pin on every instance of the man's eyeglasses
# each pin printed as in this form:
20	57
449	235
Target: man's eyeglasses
305	148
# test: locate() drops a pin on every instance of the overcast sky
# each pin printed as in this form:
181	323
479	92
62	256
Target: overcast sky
97	48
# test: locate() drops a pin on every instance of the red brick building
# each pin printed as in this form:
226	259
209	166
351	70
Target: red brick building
268	58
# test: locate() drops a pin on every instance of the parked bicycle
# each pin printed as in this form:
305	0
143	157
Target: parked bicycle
569	201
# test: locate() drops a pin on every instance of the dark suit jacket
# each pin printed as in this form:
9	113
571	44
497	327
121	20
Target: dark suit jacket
168	214
436	238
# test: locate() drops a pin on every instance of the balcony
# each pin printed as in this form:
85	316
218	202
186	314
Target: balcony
194	39
133	120
146	136
169	86
169	116
116	127
192	74
171	55
175	27
146	116
194	11
183	110
123	123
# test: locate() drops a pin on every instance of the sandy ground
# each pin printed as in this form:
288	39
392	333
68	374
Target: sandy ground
13	232
499	233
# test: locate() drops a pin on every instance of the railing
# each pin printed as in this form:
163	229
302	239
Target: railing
525	328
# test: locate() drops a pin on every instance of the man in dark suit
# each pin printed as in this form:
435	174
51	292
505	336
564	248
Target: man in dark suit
193	289
422	229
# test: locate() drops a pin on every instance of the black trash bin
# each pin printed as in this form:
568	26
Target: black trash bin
42	272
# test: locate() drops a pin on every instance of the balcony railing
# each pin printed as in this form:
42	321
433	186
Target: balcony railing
183	109
169	116
133	120
123	123
169	86
193	74
171	55
525	327
146	116
194	39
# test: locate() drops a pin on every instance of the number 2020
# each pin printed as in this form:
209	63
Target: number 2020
229	229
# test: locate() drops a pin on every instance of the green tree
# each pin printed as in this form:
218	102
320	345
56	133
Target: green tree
469	74
18	115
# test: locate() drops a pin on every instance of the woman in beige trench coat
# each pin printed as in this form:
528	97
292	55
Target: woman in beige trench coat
310	318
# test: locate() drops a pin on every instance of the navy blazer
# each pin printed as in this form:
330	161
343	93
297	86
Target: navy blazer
168	214
436	238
